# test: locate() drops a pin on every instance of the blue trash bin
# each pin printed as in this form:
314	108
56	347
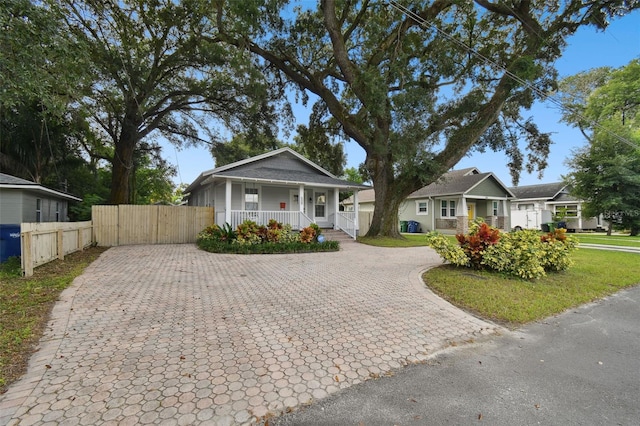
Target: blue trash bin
413	226
9	241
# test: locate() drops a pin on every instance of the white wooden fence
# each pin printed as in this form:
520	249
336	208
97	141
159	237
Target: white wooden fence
129	224
43	242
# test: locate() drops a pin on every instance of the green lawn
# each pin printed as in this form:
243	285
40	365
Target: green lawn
614	240
410	240
511	301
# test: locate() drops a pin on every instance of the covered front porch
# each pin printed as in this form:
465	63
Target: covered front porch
298	205
453	215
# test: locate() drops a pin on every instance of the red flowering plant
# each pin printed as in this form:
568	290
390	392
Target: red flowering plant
476	242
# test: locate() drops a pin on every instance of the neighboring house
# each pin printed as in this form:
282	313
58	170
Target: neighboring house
450	203
281	185
24	201
536	205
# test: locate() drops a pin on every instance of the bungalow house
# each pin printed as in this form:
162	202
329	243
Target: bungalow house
22	200
281	185
448	204
536	205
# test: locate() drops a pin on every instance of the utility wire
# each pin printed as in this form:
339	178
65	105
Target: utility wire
545	96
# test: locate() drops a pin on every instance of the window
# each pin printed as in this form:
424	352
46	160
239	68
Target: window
320	204
448	208
422	207
57	211
567	210
251	199
38	210
495	208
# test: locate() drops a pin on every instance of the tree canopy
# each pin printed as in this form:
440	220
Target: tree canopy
155	73
418	87
606	172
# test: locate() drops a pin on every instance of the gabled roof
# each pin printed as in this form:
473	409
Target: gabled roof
317	175
455	182
13	182
543	191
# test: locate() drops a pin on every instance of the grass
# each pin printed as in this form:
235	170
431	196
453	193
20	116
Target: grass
410	240
25	306
613	240
513	302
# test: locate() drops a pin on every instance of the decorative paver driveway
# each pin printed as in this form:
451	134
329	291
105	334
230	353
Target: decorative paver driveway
170	334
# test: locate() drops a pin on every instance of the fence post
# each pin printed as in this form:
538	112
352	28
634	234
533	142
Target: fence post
59	238
27	254
80	242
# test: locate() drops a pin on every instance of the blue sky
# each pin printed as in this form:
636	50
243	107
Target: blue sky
587	49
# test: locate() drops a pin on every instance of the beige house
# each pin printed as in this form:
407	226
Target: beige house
450	203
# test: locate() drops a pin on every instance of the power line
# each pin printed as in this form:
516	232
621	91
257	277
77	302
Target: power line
545	96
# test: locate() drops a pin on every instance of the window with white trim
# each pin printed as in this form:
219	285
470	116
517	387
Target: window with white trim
448	208
251	199
38	210
422	207
57	211
569	210
495	208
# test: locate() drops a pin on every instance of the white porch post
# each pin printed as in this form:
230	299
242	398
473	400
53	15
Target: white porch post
301	199
356	209
227	201
336	203
579	213
505	212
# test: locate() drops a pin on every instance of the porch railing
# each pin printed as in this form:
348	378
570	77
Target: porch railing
347	222
296	219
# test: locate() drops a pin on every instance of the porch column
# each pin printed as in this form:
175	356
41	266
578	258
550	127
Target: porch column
505	214
579	213
336	203
356	209
301	199
227	202
462	217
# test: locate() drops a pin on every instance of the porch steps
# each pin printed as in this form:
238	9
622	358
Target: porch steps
337	235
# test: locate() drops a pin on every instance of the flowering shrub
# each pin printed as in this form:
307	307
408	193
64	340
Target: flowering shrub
476	242
451	253
524	253
249	237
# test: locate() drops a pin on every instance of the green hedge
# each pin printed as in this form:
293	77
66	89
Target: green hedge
267	248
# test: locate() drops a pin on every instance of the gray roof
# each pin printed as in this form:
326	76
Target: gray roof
313	174
544	191
13	180
450	184
454	182
9	181
271	174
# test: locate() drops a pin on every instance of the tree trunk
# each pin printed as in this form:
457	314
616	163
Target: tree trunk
387	201
610	228
123	157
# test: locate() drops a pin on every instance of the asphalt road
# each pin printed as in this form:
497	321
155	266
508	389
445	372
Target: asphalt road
578	368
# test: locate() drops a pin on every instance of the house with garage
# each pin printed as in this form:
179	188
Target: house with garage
281	185
448	204
537	205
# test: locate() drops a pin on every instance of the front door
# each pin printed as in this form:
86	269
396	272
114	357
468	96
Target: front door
320	205
471	210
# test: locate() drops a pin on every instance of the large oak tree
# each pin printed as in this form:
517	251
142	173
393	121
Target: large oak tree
154	74
417	87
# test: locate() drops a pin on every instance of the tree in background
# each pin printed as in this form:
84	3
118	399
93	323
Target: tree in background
156	74
243	146
418	87
606	172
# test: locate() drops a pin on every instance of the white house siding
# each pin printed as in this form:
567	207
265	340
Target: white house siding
19	206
